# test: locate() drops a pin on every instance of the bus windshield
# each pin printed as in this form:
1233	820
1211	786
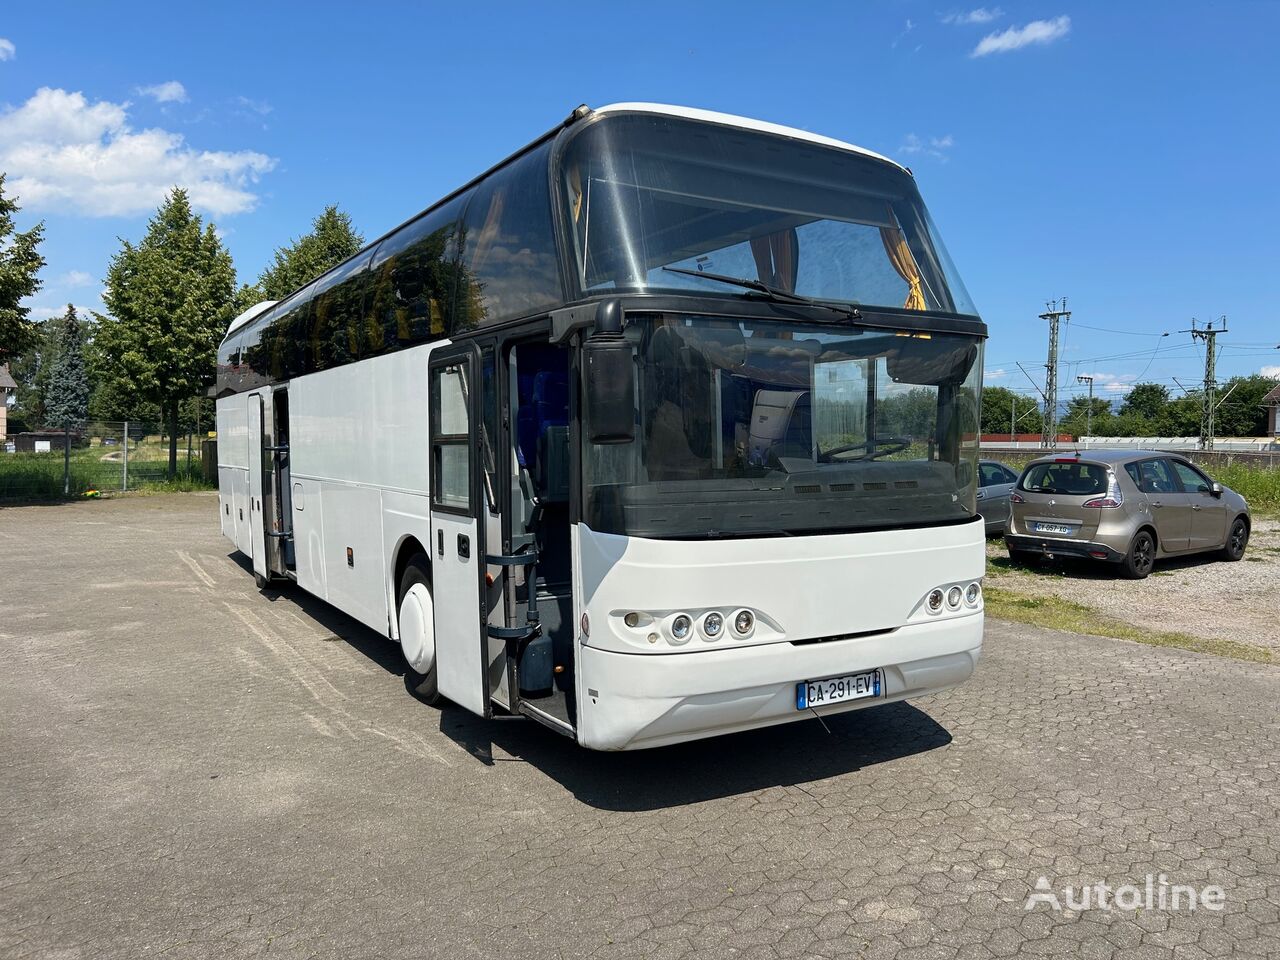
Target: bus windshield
761	427
644	192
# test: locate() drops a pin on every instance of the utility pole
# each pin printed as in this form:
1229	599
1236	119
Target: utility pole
1085	378
1208	406
1054	314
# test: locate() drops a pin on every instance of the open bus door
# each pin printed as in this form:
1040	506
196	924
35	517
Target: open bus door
457	535
257	516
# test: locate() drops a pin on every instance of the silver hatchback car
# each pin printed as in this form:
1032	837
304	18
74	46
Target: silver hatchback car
1127	507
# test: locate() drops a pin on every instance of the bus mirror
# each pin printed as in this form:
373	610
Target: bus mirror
609	377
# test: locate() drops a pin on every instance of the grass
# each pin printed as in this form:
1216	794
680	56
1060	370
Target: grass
39	476
1260	486
1058	614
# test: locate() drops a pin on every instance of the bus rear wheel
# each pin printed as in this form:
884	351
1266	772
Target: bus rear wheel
416	619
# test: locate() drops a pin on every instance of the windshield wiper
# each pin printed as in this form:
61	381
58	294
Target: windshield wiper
770	292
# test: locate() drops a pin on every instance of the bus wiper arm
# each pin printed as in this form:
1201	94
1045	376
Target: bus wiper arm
771	292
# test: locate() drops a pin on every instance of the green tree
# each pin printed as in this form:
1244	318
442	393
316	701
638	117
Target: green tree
1078	422
170	298
67	399
999	405
332	239
20	264
1241	414
1146	400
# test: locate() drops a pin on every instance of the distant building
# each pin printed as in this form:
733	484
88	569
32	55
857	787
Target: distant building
1272	402
7	389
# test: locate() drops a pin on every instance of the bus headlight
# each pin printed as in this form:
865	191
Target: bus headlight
934	600
712	625
744	621
680	627
972	594
953	598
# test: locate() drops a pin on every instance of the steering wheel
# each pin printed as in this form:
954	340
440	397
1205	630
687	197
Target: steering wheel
881	445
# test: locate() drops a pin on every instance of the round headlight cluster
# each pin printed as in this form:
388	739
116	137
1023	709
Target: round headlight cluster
712	625
953	597
744	621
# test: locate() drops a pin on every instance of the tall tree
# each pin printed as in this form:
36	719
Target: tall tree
20	264
170	298
332	239
1147	400
1000	405
67	399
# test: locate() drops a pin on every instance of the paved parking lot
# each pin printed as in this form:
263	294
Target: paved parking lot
189	768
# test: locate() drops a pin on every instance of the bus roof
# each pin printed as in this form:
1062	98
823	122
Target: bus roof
745	123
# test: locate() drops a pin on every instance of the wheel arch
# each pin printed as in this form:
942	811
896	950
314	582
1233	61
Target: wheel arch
406	547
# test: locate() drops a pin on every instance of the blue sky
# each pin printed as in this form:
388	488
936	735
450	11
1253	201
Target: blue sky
1120	154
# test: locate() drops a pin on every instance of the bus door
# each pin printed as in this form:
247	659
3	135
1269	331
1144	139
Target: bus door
457	536
257	520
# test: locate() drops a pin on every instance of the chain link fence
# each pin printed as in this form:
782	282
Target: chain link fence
99	457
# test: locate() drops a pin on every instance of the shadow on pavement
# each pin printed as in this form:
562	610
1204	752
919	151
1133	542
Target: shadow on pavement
788	755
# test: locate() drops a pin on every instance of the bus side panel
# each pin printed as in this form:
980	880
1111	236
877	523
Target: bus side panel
233	470
353	555
308	534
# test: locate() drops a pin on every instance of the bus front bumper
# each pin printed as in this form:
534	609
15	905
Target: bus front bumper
634	701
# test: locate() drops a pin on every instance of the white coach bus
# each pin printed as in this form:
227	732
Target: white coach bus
664	427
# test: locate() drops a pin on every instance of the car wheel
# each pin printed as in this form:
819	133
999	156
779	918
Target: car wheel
415	617
1237	540
1141	558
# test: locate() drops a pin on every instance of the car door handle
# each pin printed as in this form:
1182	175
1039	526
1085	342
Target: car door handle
464	546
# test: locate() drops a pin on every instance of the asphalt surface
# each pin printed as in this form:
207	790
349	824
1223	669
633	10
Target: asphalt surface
191	768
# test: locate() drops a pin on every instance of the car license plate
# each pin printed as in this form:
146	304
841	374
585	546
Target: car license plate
1053	528
851	686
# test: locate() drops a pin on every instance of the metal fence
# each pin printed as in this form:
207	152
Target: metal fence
94	457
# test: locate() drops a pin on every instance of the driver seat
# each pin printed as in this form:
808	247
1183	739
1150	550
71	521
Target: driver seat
781	426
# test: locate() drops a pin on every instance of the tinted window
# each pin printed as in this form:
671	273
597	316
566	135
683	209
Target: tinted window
1193	481
1071	479
508	253
1151	476
414	280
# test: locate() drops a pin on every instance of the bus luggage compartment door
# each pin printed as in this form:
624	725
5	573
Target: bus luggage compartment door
457	538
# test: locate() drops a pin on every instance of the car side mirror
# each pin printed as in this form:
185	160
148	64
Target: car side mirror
609	380
1216	489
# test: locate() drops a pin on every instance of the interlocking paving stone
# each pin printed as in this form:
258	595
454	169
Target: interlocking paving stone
191	768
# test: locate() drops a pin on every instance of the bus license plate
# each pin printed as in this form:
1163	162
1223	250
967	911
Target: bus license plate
852	686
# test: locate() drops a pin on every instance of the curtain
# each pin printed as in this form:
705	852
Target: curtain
895	245
777	257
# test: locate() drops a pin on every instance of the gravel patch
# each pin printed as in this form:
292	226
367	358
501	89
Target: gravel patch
1198	595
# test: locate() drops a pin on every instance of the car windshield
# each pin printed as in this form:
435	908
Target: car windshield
1065	478
645	192
750	427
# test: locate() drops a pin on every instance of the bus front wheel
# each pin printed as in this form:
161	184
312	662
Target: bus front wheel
416	617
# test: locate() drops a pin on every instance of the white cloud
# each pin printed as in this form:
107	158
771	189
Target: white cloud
171	91
7	50
1015	38
40	314
260	107
935	147
1273	372
997	374
980	15
75	278
64	153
